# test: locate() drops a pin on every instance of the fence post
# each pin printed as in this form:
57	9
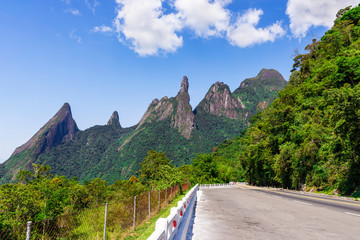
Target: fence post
149	205
106	209
166	197
28	230
159	200
134	212
172	197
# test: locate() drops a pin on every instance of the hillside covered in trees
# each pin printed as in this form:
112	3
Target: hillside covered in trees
311	134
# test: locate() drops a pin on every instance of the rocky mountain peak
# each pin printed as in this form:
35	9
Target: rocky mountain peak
220	102
266	77
178	109
184	84
59	129
184	117
114	120
269	74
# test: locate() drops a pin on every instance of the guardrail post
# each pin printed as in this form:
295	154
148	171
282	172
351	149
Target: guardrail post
166	197
106	209
172	194
149	206
134	212
159	200
28	230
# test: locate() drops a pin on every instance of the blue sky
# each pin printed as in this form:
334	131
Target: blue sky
102	56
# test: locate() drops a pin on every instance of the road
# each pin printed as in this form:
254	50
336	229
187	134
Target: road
245	212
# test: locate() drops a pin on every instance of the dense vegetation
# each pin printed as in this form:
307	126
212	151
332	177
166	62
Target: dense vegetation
311	133
43	199
79	157
258	92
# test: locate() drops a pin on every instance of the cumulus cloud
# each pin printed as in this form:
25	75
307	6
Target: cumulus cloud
73	11
149	30
204	17
304	14
244	32
149	27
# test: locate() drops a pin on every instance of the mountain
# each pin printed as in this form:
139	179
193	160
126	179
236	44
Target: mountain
310	136
169	125
114	120
61	128
178	109
258	92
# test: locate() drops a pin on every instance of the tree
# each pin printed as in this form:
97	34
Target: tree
205	169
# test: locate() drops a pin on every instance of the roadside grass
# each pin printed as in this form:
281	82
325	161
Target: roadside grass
333	192
144	231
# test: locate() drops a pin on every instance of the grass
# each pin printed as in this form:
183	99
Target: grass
144	231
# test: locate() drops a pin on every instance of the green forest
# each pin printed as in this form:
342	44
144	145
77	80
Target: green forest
309	136
51	202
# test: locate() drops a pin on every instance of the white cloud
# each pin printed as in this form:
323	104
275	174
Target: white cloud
204	17
243	32
146	27
102	28
151	28
73	11
304	14
92	5
73	35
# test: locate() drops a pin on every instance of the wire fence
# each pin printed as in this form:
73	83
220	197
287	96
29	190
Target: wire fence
109	221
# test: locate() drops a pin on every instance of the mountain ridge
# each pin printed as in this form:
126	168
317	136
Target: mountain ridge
169	125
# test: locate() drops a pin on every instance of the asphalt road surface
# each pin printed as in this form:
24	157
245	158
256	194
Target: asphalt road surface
245	212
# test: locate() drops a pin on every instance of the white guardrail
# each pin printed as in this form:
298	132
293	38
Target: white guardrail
167	228
218	185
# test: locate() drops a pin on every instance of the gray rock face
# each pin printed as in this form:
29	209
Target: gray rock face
114	120
184	117
220	102
59	129
177	108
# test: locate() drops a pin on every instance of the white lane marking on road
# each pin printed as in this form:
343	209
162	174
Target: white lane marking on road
277	196
303	202
352	214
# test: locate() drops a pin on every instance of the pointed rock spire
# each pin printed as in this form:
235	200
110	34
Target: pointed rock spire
114	120
184	117
184	84
59	129
178	109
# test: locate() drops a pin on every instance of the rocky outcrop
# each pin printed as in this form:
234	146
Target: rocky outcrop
114	120
178	109
267	78
59	129
220	102
158	110
184	117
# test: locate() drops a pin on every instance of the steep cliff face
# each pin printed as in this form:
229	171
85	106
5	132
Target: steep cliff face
114	120
59	129
220	102
178	109
157	110
184	117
